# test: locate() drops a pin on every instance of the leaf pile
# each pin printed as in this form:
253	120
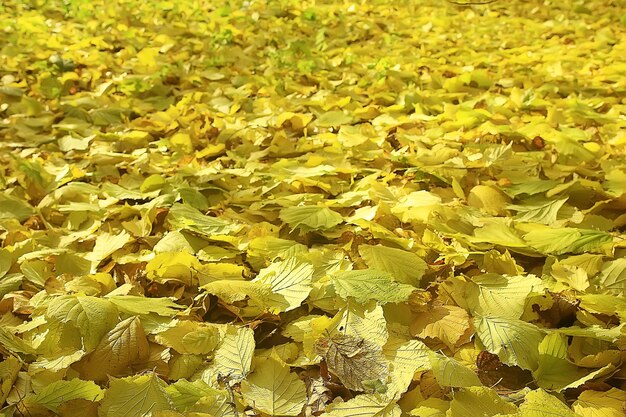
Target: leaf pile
304	208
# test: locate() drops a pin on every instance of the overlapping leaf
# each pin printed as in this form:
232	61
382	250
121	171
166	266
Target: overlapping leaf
264	207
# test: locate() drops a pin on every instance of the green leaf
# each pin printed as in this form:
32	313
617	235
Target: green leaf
60	363
184	366
9	283
370	284
180	242
217	404
498	234
514	341
405	267
554	371
531	187
271	248
406	357
172	266
333	118
194	198
135	396
366	321
615	179
604	304
234	290
188	337
56	393
272	389
308	218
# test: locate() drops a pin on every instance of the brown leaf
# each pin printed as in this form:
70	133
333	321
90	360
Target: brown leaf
353	360
493	373
562	313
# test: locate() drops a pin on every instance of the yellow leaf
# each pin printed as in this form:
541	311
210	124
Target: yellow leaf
480	401
600	403
274	390
233	357
189	337
124	345
449	324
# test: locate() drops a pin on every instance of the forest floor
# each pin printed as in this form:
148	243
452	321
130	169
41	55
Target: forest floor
303	208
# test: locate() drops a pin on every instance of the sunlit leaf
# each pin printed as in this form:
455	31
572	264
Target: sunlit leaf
366	405
544	212
539	403
135	396
500	296
307	218
233	357
312	208
92	316
55	394
124	345
274	390
451	373
132	304
516	342
476	401
290	283
183	217
566	240
448	324
405	267
106	244
371	284
600	404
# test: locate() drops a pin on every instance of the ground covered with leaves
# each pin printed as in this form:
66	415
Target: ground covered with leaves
290	208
